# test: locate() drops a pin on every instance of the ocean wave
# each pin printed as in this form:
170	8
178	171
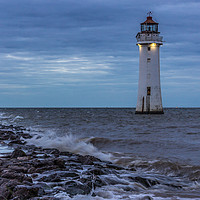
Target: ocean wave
68	142
101	141
168	168
17	118
8	119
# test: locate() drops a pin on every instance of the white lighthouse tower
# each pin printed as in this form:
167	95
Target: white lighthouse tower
149	99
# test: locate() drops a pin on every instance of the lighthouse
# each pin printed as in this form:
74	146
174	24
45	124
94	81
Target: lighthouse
149	99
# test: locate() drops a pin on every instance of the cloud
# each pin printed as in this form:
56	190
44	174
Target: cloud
12	86
82	45
9	56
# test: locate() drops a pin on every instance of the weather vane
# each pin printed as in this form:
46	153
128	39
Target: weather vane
149	13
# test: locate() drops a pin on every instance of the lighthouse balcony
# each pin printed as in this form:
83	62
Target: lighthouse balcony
149	38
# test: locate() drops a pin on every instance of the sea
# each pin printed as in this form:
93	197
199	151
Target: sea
165	147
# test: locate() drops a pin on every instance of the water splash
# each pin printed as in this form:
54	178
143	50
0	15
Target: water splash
68	142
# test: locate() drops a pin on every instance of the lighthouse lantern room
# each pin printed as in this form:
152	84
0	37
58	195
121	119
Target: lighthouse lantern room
149	99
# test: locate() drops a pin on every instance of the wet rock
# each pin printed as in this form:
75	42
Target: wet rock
88	160
24	192
1	162
52	151
174	186
16	142
144	181
132	169
13	175
4	136
15	138
146	198
70	174
96	171
7	187
17	153
25	158
66	154
74	188
26	136
49	198
93	181
112	166
18	169
28	179
59	162
42	185
51	178
43	163
31	170
111	181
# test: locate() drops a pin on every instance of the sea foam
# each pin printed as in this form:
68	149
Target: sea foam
68	142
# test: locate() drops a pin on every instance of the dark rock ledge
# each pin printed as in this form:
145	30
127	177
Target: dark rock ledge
30	172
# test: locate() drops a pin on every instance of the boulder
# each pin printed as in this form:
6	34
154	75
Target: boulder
24	192
7	187
51	178
74	188
88	160
145	181
13	175
59	162
18	153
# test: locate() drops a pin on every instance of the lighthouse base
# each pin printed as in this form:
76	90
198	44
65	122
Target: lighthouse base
149	112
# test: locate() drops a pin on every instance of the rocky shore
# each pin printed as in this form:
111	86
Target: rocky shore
30	172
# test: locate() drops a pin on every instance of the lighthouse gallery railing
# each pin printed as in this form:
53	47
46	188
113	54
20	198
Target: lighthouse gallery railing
141	37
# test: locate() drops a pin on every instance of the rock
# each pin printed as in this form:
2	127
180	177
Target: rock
1	162
13	175
18	169
70	174
16	142
146	198
66	154
88	160
93	181
96	171
112	166
26	136
7	187
59	162
73	188
4	136
51	178
112	181
49	198
43	163
34	175
17	153
28	179
52	151
145	182
24	192
23	158
174	186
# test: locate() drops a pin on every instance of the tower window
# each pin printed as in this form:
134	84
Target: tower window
148	91
148	59
149	48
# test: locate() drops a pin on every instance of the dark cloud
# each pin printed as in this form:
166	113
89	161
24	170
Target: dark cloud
87	48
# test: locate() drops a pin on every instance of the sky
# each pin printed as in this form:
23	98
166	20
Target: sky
83	53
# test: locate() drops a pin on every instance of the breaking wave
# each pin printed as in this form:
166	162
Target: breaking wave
168	168
69	143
